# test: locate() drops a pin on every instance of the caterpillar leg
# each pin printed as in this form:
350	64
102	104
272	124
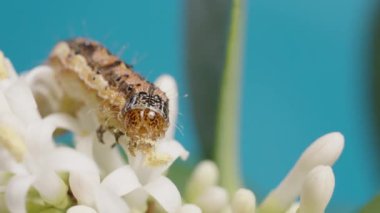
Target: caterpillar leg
100	132
115	132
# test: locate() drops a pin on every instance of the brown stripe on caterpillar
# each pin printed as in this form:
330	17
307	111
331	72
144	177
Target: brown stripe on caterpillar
128	103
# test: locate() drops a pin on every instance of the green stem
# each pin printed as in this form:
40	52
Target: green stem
227	138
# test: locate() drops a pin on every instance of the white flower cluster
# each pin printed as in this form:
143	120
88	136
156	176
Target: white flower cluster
311	179
38	175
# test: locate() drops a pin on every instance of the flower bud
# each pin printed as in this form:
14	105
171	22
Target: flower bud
317	190
190	208
244	201
213	200
81	209
205	175
324	151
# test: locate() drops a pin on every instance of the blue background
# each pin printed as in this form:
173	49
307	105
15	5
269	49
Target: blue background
306	74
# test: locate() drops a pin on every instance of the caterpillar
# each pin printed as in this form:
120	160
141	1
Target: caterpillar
127	104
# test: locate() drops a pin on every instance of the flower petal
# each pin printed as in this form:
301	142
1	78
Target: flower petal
51	188
64	121
88	118
45	88
44	77
10	68
107	157
137	163
324	151
172	148
8	163
39	73
317	190
168	85
12	142
40	138
21	101
121	181
67	159
165	193
4	107
6	68
137	200
84	145
81	209
107	201
16	192
83	186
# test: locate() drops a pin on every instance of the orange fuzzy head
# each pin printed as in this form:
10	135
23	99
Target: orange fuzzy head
146	117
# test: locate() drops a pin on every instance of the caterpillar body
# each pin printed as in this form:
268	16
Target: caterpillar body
127	104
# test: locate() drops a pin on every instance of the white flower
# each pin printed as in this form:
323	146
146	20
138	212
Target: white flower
101	197
311	179
30	155
135	182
